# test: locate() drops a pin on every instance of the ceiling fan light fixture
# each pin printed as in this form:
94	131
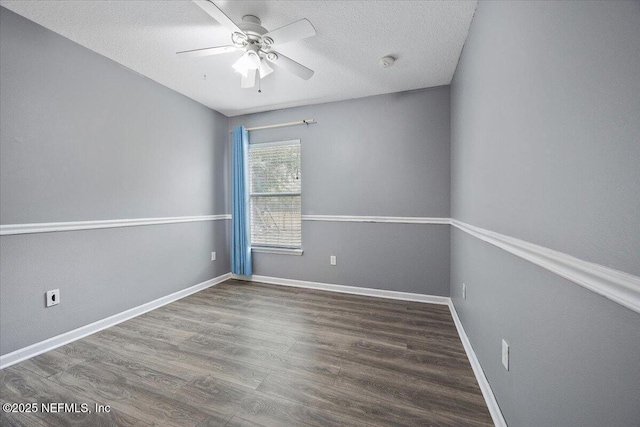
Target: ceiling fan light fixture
254	60
265	69
248	81
248	61
241	65
257	43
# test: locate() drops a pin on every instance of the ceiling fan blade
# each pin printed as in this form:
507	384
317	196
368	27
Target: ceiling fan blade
249	80
290	65
207	51
218	15
296	31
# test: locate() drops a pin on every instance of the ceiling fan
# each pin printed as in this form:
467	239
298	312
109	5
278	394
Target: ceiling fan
257	43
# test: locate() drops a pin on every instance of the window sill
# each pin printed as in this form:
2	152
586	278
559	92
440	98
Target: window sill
279	251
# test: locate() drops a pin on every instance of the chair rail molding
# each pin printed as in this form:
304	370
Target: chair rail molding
618	286
49	227
380	219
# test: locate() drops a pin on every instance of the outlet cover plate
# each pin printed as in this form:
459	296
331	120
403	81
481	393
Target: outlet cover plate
53	297
505	355
333	260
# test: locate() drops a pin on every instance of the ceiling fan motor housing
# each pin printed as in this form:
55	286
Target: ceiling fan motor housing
251	25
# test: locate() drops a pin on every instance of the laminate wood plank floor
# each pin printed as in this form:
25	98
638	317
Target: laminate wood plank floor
255	355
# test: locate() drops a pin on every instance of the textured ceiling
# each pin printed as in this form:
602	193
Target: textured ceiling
426	37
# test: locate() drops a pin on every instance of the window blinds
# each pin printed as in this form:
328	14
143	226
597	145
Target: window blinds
275	194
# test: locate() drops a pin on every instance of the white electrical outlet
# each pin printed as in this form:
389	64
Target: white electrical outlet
333	260
53	297
213	256
505	354
464	291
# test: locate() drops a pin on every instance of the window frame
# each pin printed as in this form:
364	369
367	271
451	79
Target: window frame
283	250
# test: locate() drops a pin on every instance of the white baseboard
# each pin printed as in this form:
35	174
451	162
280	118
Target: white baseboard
370	292
489	397
83	331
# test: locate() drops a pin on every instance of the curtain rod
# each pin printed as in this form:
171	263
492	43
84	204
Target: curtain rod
279	125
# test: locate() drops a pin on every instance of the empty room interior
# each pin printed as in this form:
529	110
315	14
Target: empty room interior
320	213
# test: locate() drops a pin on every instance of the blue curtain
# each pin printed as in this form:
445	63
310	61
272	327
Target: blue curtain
240	230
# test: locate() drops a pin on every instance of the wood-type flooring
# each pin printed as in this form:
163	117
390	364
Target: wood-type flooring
249	354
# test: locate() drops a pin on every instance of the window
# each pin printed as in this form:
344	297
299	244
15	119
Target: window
274	169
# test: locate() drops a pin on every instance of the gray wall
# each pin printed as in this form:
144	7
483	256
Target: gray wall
545	147
385	155
546	125
82	138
